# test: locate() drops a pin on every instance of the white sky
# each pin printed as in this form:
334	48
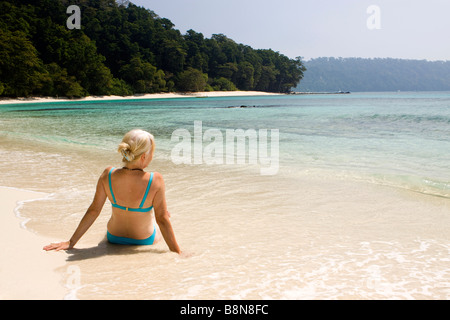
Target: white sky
410	29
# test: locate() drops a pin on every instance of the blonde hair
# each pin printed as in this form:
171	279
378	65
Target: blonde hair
135	143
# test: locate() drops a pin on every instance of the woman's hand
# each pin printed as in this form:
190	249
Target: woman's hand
58	246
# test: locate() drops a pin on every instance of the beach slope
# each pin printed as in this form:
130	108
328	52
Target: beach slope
209	94
26	271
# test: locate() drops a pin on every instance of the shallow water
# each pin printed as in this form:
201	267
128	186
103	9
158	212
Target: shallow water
358	208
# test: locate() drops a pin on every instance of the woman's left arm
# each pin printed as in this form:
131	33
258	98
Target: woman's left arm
86	222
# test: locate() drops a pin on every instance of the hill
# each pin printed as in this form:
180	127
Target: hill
363	75
123	49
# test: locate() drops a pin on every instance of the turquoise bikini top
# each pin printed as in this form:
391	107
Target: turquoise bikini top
140	209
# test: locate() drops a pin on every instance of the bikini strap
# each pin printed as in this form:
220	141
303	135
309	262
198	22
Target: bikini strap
146	191
110	186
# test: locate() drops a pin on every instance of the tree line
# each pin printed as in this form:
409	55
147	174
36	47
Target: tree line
123	49
379	74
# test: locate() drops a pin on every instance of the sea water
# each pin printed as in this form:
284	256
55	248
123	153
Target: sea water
358	206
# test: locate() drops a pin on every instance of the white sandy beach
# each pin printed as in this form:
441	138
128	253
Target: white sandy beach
306	233
26	271
211	94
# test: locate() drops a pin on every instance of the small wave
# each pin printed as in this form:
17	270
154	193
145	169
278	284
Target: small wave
21	203
253	106
421	185
414	118
51	109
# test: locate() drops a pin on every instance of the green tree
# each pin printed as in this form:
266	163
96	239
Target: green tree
227	71
172	56
86	64
245	79
223	84
62	84
120	88
143	76
196	56
21	70
192	80
267	78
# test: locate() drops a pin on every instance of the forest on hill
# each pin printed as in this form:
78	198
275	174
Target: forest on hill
380	74
123	49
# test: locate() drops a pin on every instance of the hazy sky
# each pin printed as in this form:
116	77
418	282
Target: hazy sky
409	29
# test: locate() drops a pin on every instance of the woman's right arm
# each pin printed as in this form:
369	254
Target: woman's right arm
162	215
88	219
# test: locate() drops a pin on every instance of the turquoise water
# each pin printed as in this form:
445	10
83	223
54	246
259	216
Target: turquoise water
397	139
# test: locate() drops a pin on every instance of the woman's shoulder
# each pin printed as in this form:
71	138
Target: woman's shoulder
156	174
106	171
157	178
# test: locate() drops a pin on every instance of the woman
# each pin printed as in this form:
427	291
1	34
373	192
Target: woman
133	193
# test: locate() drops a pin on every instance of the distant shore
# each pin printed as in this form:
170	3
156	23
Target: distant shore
211	94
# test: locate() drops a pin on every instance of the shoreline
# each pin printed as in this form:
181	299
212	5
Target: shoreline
211	94
26	271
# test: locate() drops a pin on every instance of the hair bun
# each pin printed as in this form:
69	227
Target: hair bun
127	155
125	150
